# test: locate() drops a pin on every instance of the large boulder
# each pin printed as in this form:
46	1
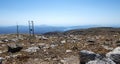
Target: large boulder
86	56
114	55
13	48
101	61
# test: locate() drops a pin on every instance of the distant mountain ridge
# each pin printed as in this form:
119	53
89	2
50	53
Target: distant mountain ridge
94	31
41	29
25	29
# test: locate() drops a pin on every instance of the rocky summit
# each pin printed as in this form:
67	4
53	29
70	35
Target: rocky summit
85	46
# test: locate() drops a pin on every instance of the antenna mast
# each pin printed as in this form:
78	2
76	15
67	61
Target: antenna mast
31	28
31	31
17	31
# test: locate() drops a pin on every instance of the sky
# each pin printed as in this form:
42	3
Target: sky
60	12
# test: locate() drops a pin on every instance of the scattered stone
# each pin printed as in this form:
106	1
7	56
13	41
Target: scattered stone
71	60
53	45
54	59
47	46
118	43
7	57
1	51
63	61
32	49
63	42
91	42
3	45
15	55
5	40
74	48
1	42
44	38
107	47
68	51
14	40
41	44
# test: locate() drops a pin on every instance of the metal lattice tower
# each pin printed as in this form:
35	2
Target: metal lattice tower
31	28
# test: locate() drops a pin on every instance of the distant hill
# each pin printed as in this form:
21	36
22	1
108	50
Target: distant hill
94	31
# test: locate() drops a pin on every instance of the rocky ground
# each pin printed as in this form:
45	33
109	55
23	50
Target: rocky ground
90	46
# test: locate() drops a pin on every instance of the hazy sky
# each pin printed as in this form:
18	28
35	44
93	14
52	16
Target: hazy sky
60	12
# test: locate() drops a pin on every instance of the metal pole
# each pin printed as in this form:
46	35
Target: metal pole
29	28
17	31
32	28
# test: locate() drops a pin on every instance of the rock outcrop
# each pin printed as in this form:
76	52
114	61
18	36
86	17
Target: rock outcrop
86	56
114	55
